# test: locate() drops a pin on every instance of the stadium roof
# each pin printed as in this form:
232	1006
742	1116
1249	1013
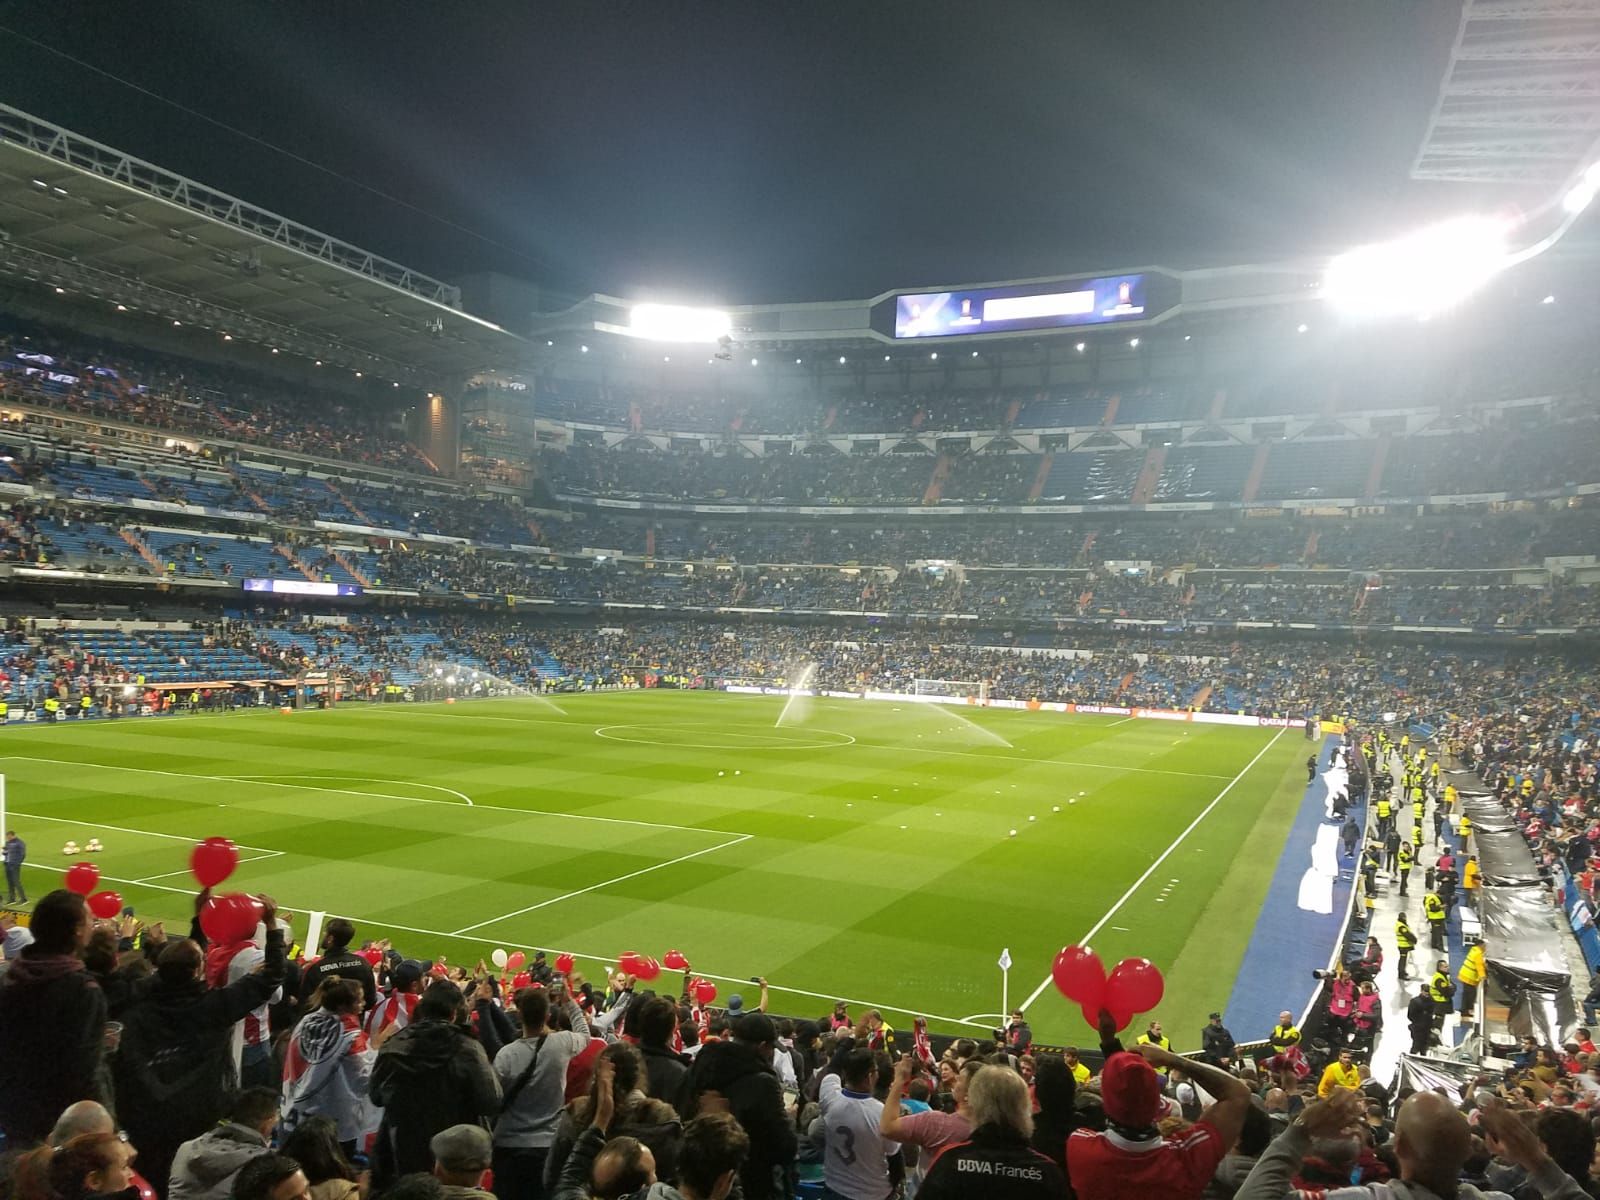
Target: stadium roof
92	220
1520	99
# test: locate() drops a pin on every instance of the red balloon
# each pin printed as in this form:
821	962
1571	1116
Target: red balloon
213	860
1135	985
1120	1016
372	954
565	963
105	905
629	962
515	960
647	969
82	877
230	918
675	960
1080	976
704	991
520	981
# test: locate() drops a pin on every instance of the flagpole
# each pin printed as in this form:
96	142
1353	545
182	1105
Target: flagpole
1005	984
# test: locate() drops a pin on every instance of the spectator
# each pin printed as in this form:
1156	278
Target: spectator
998	1152
89	1165
1254	1137
1019	1037
933	1130
1431	1143
431	1075
54	1018
532	1075
665	1068
1131	1157
271	1177
737	1076
1055	1089
175	1065
339	960
634	1114
855	1165
204	1167
461	1156
328	1064
405	989
315	1146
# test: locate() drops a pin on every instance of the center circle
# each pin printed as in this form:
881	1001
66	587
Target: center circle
706	735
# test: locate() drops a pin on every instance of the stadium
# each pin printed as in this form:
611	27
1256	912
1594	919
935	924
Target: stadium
882	689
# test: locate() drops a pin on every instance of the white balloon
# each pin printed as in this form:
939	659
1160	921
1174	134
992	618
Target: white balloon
499	958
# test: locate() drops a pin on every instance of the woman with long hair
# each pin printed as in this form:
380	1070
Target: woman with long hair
92	1164
653	1122
328	1064
315	1146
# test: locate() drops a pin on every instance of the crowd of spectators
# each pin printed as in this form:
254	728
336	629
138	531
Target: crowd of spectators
72	374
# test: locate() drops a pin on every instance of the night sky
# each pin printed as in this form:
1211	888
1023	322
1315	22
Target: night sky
764	150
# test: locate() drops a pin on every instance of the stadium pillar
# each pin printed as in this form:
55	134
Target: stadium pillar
435	429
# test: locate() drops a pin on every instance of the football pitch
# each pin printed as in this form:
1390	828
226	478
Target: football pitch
859	850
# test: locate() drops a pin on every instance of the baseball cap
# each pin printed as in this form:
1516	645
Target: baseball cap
462	1148
1216	1016
1130	1091
735	1004
755	1027
408	972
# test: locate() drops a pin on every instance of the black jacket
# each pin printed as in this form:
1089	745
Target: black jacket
739	1072
1217	1042
345	965
665	1069
52	1043
174	1069
996	1164
429	1076
1419	1013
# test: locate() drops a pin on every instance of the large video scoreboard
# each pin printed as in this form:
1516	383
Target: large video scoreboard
1025	307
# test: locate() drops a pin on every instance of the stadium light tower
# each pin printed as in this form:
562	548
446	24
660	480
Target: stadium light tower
1421	273
678	323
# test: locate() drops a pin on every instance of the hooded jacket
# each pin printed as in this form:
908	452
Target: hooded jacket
205	1166
53	1051
174	1068
326	1072
666	1070
742	1075
431	1075
654	1123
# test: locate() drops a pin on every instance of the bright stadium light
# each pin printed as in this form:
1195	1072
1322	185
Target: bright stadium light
678	323
1421	273
1582	193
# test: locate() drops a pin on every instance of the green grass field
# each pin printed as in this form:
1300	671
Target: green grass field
863	853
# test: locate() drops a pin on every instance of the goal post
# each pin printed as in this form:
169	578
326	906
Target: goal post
975	691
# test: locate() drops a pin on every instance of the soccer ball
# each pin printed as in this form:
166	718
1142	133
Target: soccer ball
1013	833
94	846
70	848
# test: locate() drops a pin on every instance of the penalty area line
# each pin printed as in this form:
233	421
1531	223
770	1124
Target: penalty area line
595	887
1165	854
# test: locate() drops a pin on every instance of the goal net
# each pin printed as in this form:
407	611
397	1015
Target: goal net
976	690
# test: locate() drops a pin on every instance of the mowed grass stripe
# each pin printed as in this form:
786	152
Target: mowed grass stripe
830	895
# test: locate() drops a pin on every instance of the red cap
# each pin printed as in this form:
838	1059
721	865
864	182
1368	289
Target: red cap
1130	1091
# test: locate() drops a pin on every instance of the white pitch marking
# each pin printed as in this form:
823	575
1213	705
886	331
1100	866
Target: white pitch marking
185	871
1165	854
171	837
594	887
432	787
1124	721
300	787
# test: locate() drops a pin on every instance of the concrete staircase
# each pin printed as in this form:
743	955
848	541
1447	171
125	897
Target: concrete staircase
935	488
287	553
1258	470
349	564
1144	489
1041	476
144	551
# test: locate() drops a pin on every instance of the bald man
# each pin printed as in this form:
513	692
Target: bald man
1431	1141
90	1116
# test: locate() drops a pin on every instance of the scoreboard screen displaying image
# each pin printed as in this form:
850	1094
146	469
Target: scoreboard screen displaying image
1017	307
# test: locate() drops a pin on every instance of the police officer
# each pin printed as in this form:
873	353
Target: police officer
1435	910
1404	942
1419	1016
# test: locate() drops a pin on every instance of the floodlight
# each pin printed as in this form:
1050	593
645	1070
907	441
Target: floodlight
934	356
1081	347
1582	193
1302	327
755	362
1548	300
583	349
841	360
678	323
1421	273
1133	343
